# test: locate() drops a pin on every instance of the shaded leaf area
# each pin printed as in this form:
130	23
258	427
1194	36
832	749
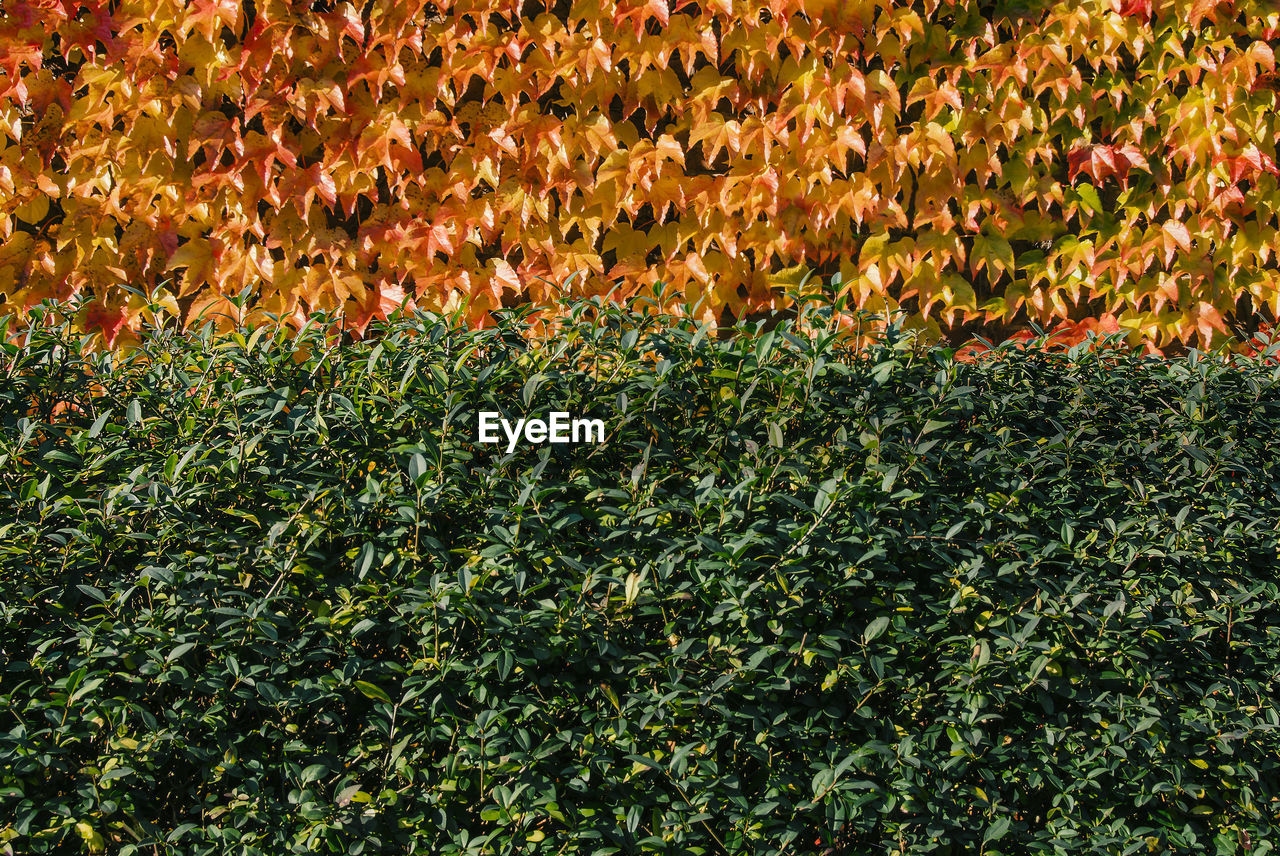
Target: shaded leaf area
271	595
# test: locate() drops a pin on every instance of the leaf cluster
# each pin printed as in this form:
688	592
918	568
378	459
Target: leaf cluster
268	594
1103	165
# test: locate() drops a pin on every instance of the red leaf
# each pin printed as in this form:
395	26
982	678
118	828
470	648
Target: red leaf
1102	162
1076	160
1251	162
379	302
351	24
167	237
322	184
1136	8
389	299
971	352
109	321
1129	157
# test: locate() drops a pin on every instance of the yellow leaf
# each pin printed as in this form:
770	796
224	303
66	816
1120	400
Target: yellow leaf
196	255
789	278
34	211
91	837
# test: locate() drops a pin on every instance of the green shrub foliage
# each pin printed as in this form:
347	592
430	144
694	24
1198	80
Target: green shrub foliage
267	596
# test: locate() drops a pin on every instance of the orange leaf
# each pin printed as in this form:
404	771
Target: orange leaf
109	321
694	263
1178	232
199	257
1209	320
504	277
325	187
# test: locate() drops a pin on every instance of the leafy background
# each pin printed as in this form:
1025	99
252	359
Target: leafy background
1104	166
269	595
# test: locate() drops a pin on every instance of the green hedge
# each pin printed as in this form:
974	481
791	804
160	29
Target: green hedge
271	596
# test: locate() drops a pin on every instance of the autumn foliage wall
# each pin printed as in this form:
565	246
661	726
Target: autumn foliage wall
1104	164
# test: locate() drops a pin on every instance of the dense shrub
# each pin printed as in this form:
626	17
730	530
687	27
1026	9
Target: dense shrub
270	595
1094	163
